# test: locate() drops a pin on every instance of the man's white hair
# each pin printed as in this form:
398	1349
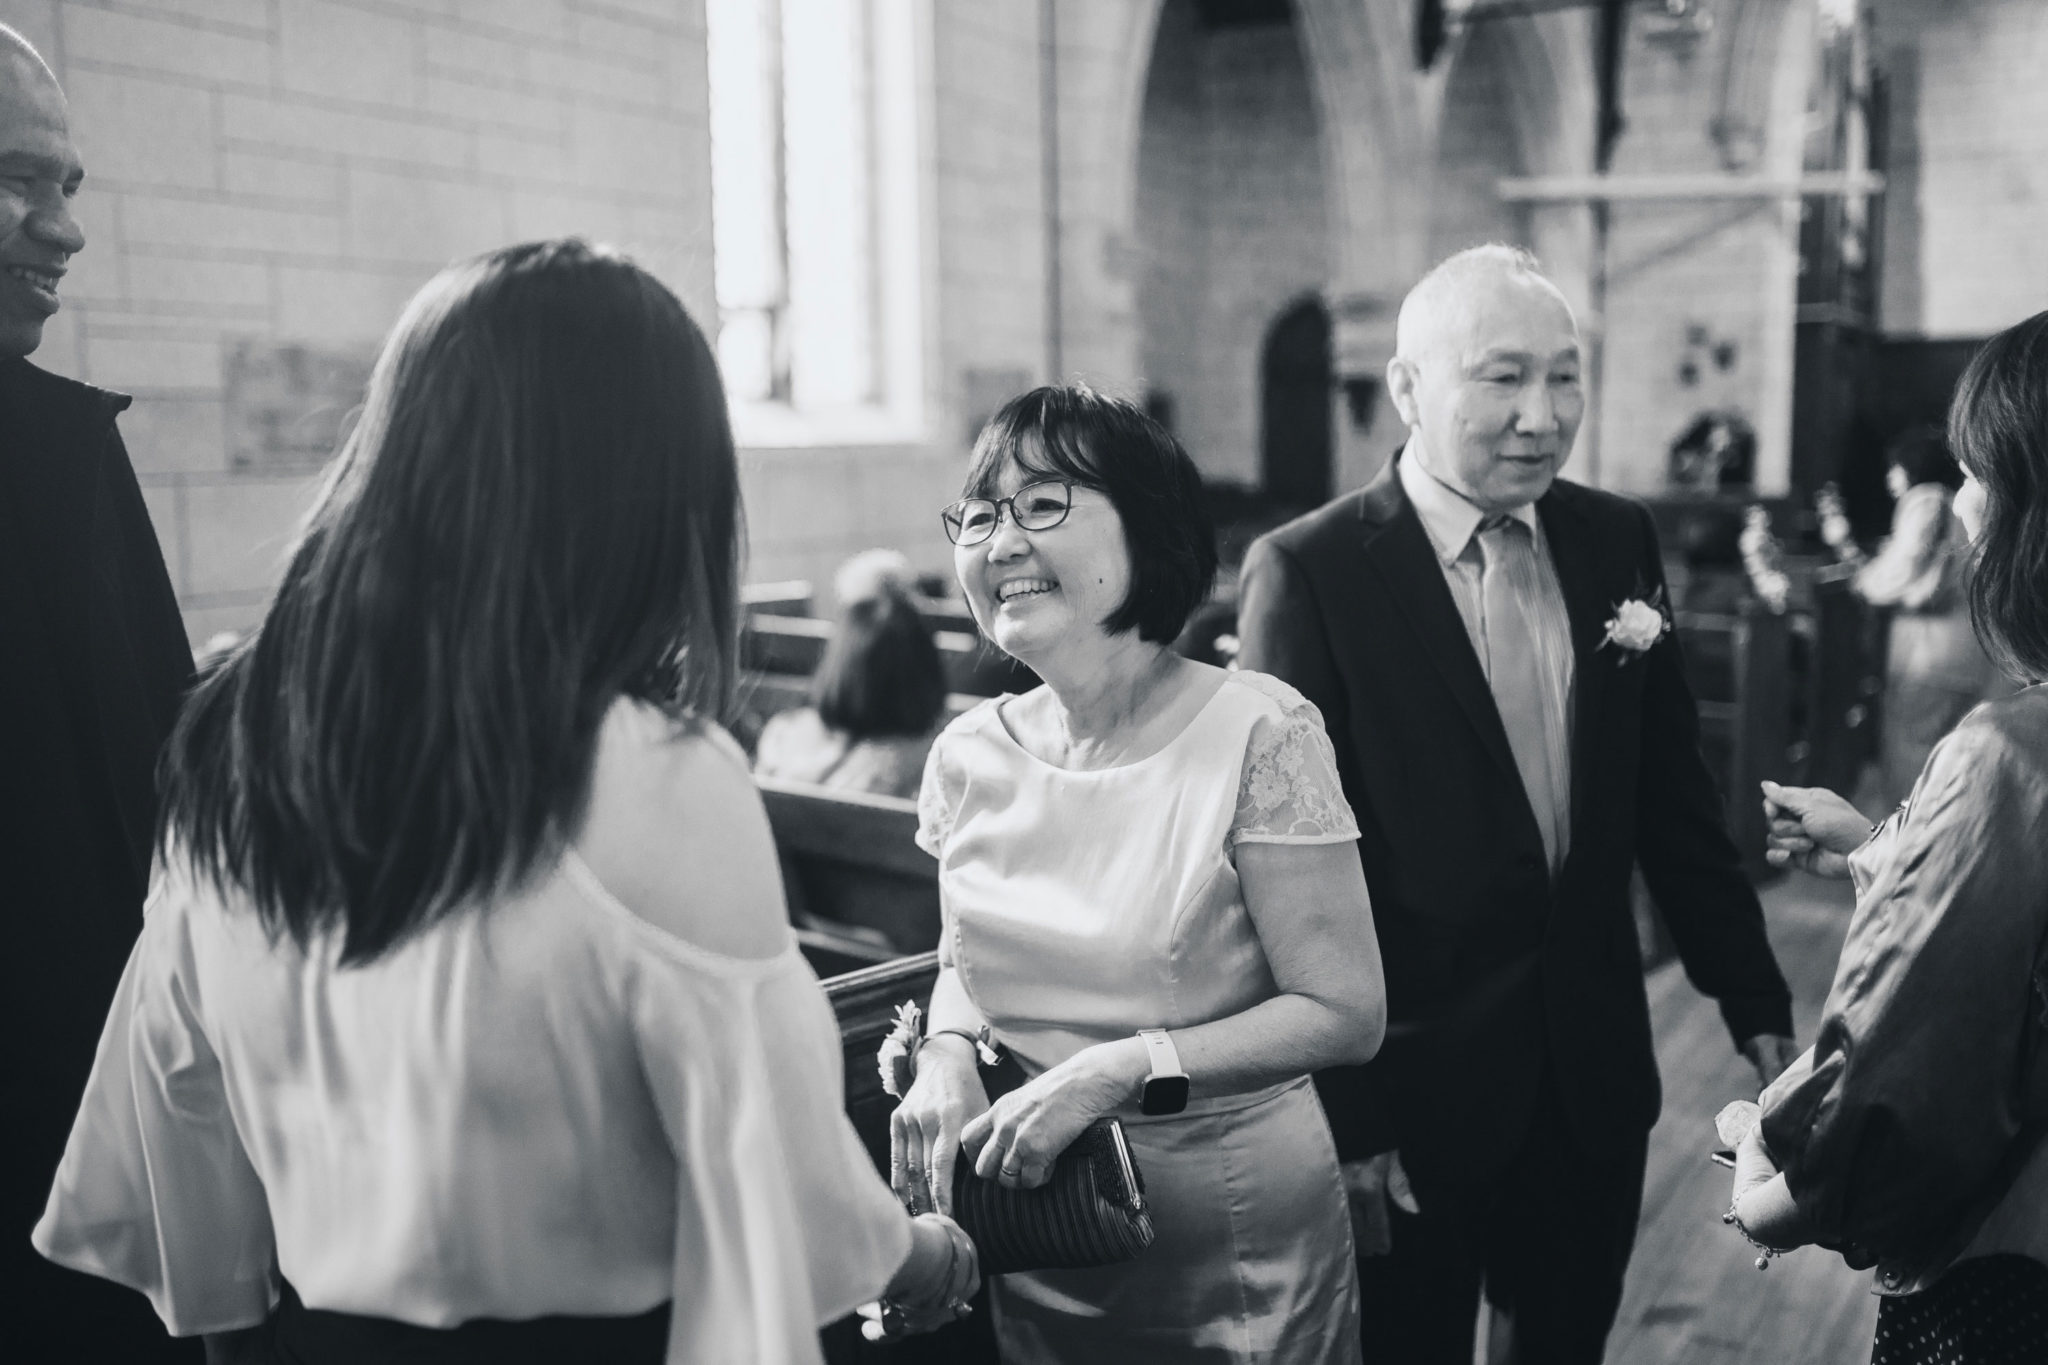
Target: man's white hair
1438	294
13	43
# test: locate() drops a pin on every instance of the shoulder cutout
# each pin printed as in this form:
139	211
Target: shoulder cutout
676	832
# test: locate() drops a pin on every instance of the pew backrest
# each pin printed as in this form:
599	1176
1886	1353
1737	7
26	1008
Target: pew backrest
792	597
850	863
795	644
865	1002
1738	665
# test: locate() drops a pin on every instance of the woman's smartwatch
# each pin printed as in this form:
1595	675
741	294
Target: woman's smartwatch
1166	1089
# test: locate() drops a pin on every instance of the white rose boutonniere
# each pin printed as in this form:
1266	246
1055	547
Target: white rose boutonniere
897	1058
1637	625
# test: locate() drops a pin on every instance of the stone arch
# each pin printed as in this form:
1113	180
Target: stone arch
1532	79
1230	226
1375	132
1296	450
1357	57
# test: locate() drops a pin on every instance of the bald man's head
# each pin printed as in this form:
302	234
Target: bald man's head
39	172
1486	375
1442	301
12	43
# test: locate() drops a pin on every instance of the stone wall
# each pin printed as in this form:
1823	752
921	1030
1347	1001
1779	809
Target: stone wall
269	180
1968	164
1232	226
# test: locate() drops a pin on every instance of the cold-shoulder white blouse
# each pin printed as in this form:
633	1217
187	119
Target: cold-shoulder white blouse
550	1105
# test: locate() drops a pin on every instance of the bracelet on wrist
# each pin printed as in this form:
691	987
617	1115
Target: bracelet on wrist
984	1045
894	1322
1734	1220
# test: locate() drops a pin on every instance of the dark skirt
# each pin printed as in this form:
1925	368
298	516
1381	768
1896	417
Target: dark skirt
314	1336
1989	1310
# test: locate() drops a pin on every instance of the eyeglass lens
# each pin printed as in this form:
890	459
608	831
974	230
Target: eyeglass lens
1034	507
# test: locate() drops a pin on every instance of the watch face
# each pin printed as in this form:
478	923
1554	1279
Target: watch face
1165	1095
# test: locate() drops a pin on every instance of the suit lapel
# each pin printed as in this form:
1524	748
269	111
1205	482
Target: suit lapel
1399	548
1572	546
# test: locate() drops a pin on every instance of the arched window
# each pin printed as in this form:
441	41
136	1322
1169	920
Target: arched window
815	123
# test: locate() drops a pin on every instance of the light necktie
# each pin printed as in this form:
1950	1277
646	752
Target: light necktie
1508	591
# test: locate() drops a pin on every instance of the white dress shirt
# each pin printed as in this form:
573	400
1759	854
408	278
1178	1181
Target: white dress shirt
1453	523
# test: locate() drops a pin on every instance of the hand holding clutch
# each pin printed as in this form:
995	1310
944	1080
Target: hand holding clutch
1090	1211
1017	1140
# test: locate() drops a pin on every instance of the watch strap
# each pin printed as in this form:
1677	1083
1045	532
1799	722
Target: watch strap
1160	1051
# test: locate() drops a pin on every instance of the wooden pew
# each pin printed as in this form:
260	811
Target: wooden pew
1845	676
851	867
792	597
1738	665
795	644
865	1003
784	644
770	694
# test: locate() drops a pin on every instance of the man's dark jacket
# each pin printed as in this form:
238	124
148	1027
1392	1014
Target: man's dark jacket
1496	972
93	663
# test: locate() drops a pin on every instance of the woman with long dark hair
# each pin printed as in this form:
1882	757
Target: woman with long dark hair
465	1023
1912	1135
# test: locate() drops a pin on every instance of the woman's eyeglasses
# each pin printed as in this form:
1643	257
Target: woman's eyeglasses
1035	507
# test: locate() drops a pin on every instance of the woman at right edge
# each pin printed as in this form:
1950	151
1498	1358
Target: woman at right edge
1911	1136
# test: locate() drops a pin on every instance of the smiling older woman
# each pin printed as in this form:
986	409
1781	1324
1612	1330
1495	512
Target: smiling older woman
1147	867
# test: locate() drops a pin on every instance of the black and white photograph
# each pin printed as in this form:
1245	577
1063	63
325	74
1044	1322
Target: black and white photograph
1024	682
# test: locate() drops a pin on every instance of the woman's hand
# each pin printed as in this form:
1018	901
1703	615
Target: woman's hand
1016	1142
924	1132
1813	829
932	1286
1760	1200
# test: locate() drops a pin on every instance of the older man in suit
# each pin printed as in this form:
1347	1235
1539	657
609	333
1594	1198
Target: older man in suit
1488	646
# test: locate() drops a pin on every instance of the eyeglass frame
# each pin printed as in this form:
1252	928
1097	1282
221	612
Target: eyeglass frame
997	505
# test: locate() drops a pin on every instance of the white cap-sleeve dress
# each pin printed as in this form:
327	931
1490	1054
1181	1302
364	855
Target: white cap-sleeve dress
1081	907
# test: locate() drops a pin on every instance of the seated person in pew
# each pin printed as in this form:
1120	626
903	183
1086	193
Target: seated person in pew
879	694
466	1022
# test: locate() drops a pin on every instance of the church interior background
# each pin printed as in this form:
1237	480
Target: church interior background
1783	224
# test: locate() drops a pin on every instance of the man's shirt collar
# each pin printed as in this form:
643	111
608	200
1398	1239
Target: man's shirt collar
1449	518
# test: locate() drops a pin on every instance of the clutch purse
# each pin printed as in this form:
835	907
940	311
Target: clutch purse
1090	1212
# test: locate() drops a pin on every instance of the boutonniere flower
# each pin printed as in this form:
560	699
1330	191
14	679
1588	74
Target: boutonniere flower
897	1059
1637	624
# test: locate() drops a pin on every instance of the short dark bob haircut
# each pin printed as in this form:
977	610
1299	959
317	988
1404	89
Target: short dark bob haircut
1998	428
1922	452
881	673
1069	431
537	514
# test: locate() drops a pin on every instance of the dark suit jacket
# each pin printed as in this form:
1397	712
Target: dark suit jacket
93	664
1495	972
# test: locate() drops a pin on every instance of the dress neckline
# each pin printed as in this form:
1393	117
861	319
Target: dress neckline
1002	728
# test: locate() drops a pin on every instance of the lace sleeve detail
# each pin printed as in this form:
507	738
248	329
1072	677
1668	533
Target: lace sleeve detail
1290	792
936	802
